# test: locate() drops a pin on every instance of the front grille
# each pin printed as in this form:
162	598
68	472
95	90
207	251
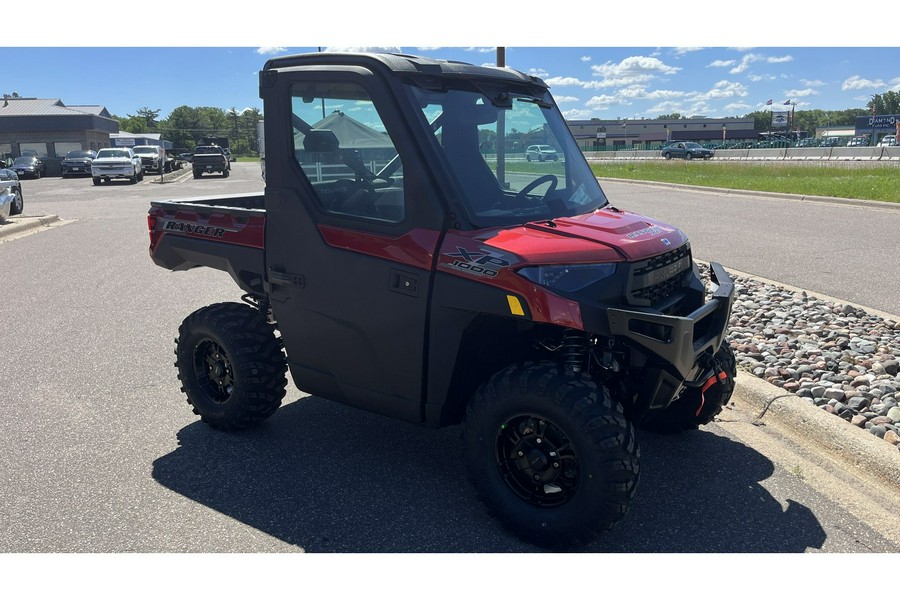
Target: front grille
657	279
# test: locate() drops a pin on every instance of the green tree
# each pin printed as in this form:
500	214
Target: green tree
148	115
132	124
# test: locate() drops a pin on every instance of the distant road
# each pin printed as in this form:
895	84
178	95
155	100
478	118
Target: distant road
847	252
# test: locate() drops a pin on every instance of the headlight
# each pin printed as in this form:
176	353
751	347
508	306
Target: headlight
568	278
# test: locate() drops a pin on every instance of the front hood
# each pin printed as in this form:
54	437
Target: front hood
112	161
606	235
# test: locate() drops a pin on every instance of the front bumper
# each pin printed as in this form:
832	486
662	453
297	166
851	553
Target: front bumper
113	171
679	349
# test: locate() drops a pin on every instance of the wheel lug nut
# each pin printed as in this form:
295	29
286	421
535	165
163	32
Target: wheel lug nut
539	440
537	477
556	465
520	453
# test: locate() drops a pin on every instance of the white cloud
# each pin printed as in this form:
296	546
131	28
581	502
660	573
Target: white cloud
603	102
737	106
638	67
721	63
680	51
560	99
538	73
483	50
801	93
271	50
560	81
858	83
812	82
756	78
578	113
780	59
585	59
745	63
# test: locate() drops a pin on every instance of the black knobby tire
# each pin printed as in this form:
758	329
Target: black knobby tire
197	174
96	180
551	455
694	408
231	365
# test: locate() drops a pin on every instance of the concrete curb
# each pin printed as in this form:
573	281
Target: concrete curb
18	224
851	445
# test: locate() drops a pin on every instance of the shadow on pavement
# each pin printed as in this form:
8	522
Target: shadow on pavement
328	478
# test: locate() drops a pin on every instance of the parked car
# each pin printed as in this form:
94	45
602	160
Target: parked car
77	162
229	155
809	142
831	142
153	158
686	150
11	202
888	141
29	166
858	141
116	163
186	156
540	153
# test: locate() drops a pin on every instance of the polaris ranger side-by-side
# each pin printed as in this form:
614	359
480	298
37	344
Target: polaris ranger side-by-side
407	259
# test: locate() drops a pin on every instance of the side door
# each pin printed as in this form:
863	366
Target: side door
352	227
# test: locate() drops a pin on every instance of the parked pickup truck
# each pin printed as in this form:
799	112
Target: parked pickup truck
391	266
210	159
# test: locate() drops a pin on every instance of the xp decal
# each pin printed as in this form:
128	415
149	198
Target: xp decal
482	264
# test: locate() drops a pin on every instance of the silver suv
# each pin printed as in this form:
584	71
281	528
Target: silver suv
540	153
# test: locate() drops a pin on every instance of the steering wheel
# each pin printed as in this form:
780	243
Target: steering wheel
520	196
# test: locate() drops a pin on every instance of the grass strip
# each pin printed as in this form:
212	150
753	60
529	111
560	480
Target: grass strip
862	183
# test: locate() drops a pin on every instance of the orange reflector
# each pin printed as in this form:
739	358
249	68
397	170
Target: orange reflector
515	307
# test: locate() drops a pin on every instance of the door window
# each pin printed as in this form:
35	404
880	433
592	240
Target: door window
344	149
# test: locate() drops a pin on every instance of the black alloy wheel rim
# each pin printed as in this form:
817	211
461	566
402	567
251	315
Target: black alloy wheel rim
537	461
213	371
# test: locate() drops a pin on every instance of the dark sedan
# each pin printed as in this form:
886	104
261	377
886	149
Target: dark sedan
687	151
77	162
28	166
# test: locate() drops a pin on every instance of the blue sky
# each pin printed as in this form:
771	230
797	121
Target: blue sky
736	73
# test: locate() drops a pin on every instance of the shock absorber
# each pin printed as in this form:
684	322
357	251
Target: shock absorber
574	350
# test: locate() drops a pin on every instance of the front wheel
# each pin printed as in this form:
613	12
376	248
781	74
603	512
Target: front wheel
231	365
96	180
552	456
18	204
668	156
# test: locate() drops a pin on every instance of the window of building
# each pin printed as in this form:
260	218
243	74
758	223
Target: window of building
38	149
63	148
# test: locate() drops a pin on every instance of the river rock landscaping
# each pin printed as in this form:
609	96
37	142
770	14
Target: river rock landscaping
835	355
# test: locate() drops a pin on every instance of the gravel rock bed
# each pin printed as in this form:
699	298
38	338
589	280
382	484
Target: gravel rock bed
836	356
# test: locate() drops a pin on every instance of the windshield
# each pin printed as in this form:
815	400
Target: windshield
112	154
486	147
80	154
144	150
24	160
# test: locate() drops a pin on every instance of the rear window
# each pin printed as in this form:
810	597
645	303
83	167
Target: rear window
208	150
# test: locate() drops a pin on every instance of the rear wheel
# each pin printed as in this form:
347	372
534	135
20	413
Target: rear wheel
688	156
231	365
552	456
668	156
696	407
197	174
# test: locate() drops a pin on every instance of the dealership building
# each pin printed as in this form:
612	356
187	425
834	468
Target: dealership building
649	134
50	128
